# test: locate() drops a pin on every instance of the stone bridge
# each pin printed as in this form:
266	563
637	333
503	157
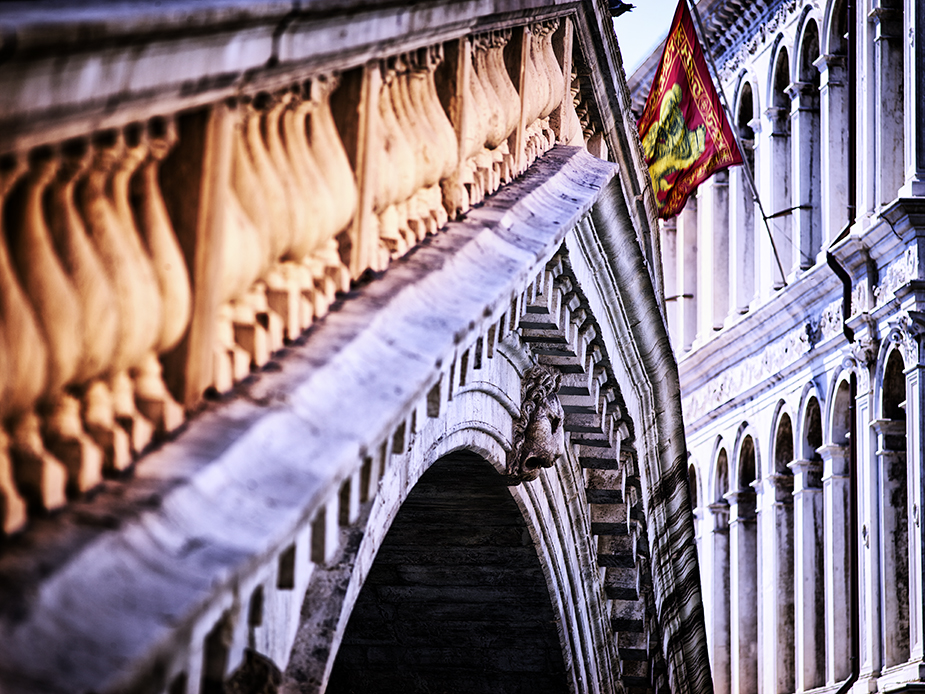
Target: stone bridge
387	402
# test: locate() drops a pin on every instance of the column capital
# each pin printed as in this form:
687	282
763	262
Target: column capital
834	460
807	475
781	485
826	61
741	500
907	332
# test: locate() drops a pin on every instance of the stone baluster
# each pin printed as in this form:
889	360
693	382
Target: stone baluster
58	315
263	196
397	166
313	196
110	406
172	277
64	433
507	96
496	123
556	79
316	202
252	176
409	222
443	130
147	328
431	147
25	367
480	161
328	149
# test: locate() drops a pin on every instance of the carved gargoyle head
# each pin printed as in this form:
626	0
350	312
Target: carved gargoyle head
539	435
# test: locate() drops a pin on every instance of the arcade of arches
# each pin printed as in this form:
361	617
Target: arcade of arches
333	356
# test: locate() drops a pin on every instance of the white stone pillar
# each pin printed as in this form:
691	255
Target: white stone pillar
706	262
915	436
743	556
869	525
720	239
687	272
836	487
669	248
780	195
808	597
866	93
742	241
775	523
889	39
718	587
914	91
833	119
894	540
805	141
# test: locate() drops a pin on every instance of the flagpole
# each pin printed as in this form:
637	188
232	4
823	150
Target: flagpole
735	133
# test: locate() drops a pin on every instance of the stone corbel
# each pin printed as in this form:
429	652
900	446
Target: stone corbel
907	332
778	118
859	358
539	434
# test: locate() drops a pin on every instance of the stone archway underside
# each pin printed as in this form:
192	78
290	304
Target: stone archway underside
456	599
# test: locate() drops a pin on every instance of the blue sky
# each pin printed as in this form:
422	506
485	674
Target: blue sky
639	31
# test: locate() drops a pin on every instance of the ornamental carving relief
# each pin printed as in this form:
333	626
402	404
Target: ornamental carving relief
907	331
539	436
755	369
830	321
897	274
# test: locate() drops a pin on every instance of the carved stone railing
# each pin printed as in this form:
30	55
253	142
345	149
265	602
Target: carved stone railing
147	265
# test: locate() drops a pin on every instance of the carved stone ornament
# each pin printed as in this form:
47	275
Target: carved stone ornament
859	358
539	436
909	328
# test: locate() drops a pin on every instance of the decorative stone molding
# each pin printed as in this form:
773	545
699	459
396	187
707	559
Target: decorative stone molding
897	274
907	331
538	438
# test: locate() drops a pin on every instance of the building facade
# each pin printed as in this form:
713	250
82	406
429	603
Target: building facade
333	355
802	381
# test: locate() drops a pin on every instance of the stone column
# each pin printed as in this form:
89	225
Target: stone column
780	195
833	119
805	183
888	38
687	273
914	331
914	91
718	210
915	422
706	286
743	558
775	521
894	540
809	602
742	241
836	486
868	159
669	248
868	525
718	587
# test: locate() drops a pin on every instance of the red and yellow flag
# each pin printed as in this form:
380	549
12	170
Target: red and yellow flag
685	134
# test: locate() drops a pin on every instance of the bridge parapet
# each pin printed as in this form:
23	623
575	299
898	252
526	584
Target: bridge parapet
166	232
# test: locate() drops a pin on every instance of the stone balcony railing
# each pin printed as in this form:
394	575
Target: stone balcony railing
165	232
